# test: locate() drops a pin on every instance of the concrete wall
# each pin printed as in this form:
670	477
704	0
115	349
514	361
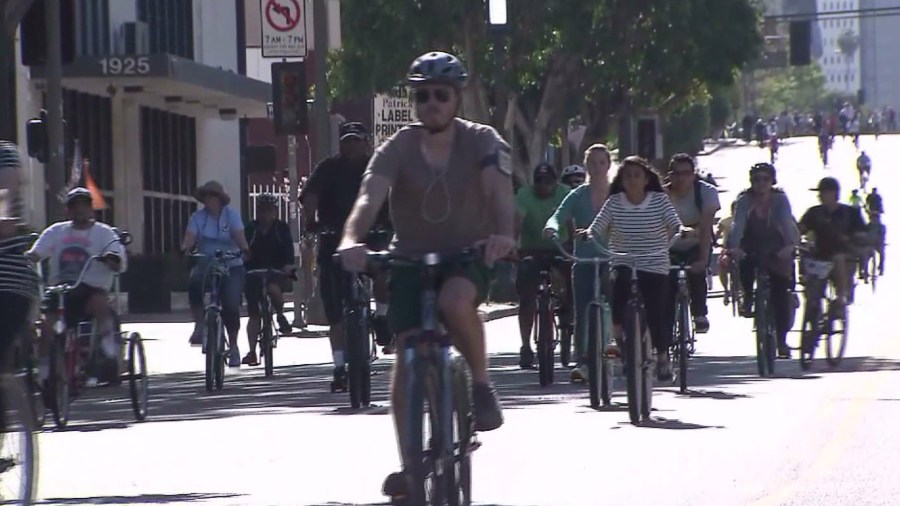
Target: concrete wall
879	40
218	142
842	73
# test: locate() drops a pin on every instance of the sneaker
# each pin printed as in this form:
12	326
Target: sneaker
664	368
284	326
579	374
339	382
526	358
784	351
486	407
382	330
612	349
250	359
197	337
701	324
727	298
396	486
747	309
234	357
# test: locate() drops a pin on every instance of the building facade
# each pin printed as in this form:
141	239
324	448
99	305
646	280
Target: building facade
879	38
840	38
158	100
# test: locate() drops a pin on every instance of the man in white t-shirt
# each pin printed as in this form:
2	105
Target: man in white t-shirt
69	245
697	203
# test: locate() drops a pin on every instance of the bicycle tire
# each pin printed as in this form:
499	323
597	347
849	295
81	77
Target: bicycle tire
633	366
770	346
138	378
266	347
873	271
683	325
211	327
544	329
593	358
834	353
460	480
358	355
565	345
647	369
20	434
761	329
416	460
810	330
59	390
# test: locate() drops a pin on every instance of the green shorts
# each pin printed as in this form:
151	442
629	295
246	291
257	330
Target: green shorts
405	309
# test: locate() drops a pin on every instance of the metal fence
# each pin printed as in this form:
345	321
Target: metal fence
279	191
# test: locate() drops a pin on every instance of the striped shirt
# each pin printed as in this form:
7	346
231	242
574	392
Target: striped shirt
17	273
640	229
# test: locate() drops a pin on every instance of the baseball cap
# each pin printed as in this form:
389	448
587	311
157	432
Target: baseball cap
544	170
827	184
353	129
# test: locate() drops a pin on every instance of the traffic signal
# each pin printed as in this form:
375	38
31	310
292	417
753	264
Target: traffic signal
36	137
801	42
289	98
33	35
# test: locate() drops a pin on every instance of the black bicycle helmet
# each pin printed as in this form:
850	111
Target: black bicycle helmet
9	155
437	67
266	199
764	167
78	193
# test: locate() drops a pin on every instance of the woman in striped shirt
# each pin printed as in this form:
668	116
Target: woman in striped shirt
639	218
18	280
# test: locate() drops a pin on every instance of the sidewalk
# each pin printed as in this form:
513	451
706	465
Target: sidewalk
710	146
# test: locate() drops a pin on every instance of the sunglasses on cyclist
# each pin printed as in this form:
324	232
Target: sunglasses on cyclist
423	95
762	179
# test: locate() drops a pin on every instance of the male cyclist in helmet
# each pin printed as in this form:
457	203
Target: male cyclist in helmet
450	186
69	245
765	235
271	247
573	176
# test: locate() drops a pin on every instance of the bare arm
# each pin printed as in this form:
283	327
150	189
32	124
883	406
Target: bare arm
372	194
705	227
499	189
189	241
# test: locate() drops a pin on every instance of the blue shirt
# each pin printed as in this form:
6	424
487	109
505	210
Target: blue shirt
216	234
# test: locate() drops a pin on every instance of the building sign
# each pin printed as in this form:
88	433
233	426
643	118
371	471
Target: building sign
283	28
391	113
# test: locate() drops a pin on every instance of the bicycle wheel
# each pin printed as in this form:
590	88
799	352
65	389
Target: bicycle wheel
138	379
648	370
683	337
266	342
565	345
544	325
770	346
633	365
595	363
58	384
762	339
358	355
18	445
417	462
836	340
459	481
873	271
211	329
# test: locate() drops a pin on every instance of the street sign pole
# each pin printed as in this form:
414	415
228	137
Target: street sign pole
54	174
294	221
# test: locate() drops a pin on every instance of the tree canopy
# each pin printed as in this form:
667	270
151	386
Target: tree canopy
555	60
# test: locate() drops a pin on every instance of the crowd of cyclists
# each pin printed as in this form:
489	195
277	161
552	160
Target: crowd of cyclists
445	184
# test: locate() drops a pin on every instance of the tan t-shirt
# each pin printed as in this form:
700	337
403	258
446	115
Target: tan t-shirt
437	209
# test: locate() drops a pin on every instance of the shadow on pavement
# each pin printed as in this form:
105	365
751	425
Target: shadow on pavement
658	422
305	389
140	499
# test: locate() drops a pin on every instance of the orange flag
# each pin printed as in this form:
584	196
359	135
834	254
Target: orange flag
96	195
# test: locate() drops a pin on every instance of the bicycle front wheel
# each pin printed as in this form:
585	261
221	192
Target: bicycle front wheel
266	344
57	386
836	341
597	380
18	445
634	366
213	326
545	337
764	348
459	480
358	356
682	340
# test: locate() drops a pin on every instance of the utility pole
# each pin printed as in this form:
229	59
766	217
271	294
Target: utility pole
320	106
54	172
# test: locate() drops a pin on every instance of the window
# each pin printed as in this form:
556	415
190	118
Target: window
89	119
171	26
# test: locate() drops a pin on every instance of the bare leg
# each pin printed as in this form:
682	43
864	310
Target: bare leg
456	302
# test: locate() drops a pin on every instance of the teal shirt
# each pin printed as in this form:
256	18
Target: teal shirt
577	206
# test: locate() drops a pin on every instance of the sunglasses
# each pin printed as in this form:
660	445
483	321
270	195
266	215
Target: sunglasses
423	95
544	180
762	179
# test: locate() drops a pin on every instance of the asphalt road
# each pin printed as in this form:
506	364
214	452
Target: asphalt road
825	437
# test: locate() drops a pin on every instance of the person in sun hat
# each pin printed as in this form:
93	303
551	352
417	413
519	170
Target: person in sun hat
216	227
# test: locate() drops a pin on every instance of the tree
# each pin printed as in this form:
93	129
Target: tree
792	88
595	59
